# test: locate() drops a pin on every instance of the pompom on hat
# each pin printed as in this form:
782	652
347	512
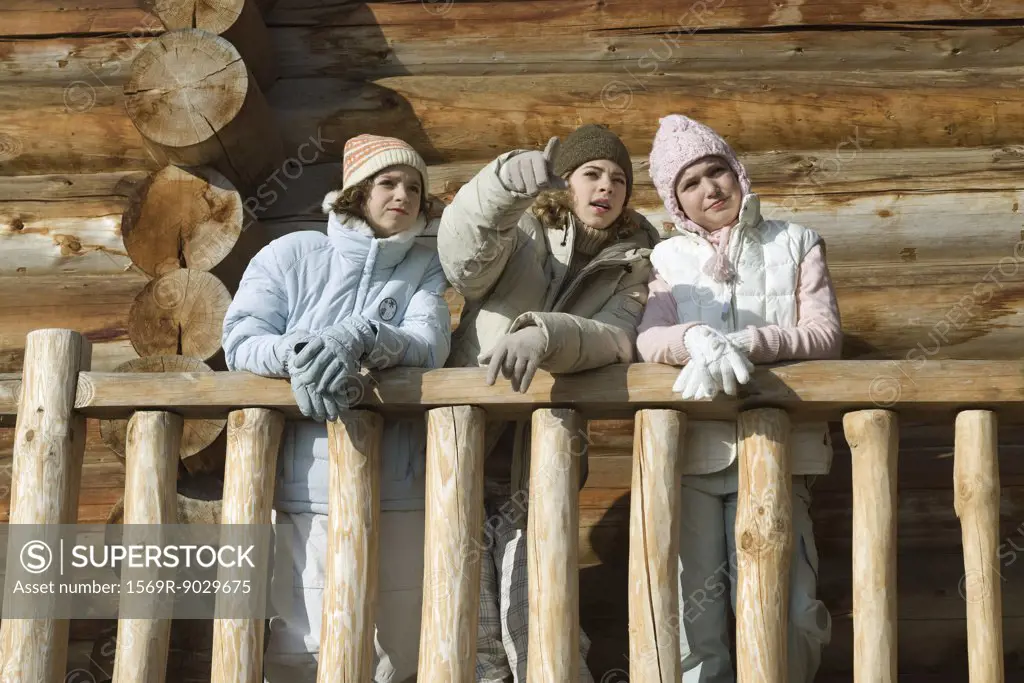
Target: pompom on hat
367	155
679	142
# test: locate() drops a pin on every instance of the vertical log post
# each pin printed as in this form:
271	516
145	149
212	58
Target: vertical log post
558	439
350	594
873	436
254	436
151	448
453	546
764	544
654	553
976	500
49	446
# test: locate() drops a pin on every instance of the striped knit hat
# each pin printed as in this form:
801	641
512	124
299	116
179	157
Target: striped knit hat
367	155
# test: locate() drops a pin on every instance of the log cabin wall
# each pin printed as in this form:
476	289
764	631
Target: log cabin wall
894	129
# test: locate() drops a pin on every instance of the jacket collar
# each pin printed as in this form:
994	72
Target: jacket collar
355	240
623	248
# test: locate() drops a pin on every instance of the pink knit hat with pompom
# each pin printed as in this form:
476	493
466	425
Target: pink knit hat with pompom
679	142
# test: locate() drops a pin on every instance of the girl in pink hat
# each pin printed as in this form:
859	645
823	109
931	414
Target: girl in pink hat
732	289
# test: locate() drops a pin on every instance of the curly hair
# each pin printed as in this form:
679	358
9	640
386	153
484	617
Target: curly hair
353	200
552	208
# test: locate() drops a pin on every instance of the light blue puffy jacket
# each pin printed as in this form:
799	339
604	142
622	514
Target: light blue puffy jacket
308	281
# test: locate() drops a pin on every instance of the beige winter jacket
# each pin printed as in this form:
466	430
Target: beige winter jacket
510	270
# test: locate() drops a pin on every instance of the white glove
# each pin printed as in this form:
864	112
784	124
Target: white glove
699	379
695	381
732	370
716	363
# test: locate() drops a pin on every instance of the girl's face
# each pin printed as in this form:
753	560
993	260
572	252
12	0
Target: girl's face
598	191
709	193
394	202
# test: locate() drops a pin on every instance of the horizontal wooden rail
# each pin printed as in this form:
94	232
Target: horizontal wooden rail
811	390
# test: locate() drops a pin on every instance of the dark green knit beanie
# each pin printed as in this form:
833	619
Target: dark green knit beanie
588	143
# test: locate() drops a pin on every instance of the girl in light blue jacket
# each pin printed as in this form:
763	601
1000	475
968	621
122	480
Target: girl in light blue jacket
315	308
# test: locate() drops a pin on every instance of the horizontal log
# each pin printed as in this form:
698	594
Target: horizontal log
78	62
10	393
812	390
45	238
904	226
95	305
572	17
82	136
68	186
476	117
428	48
432	47
106	355
55	17
776	176
947	310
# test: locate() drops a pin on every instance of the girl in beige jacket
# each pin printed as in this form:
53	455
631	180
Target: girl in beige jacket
554	270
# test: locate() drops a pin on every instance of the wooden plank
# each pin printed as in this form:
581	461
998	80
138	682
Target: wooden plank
571	17
810	390
437	47
461	118
54	17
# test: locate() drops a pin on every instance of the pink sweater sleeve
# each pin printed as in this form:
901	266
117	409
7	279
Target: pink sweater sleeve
660	335
818	333
816	336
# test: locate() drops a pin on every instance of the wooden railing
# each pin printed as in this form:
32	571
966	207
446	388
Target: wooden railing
56	393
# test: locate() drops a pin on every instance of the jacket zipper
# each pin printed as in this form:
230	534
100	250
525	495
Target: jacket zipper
588	270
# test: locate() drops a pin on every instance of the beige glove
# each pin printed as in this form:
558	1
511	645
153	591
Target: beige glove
517	355
529	173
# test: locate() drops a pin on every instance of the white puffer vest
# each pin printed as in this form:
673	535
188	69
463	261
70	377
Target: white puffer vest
766	256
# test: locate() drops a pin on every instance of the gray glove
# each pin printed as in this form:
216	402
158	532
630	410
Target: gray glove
285	347
518	355
529	173
329	361
310	401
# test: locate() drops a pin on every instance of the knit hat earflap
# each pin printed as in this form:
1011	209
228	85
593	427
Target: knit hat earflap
590	142
367	155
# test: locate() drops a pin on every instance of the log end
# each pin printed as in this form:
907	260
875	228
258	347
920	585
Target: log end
185	87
